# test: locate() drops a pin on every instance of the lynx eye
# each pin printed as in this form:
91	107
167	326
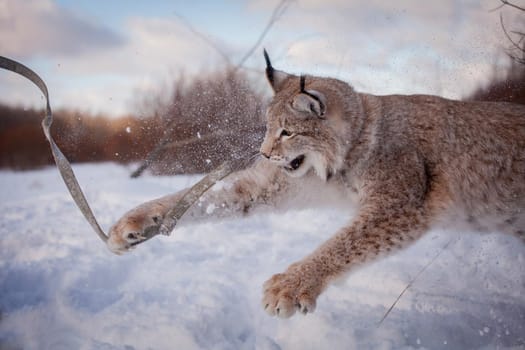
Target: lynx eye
285	133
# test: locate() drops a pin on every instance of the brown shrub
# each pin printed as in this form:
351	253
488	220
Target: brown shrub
81	137
209	119
213	118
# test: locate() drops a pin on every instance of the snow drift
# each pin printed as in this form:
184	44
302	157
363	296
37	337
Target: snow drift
60	288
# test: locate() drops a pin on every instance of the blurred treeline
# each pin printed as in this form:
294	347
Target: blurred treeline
509	88
82	138
207	119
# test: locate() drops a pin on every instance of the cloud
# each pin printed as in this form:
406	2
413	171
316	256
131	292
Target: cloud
157	50
108	79
152	45
447	48
41	27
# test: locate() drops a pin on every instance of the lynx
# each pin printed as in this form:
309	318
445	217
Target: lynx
408	163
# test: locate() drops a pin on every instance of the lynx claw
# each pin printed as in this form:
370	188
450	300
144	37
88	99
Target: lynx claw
286	293
136	227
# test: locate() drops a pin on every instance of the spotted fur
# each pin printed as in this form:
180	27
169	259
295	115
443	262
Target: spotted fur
410	162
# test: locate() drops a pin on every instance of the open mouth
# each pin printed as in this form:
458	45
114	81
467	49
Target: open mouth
295	163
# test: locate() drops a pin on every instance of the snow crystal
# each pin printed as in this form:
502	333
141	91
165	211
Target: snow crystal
210	208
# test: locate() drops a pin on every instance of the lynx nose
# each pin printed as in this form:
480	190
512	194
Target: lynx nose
266	148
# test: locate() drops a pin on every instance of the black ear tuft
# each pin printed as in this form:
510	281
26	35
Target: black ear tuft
276	78
302	81
269	68
267	59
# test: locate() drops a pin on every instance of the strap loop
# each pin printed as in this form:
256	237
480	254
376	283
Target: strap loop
61	161
174	214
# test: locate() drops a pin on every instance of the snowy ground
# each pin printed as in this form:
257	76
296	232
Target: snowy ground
60	288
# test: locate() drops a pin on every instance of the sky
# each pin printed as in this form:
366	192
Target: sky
108	56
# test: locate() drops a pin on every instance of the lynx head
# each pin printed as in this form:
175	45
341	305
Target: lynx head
311	123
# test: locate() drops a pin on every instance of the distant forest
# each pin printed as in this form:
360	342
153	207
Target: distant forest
205	121
511	88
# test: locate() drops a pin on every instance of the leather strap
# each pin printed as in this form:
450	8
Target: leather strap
61	161
174	214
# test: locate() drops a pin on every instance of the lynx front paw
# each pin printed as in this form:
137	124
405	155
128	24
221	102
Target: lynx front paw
288	292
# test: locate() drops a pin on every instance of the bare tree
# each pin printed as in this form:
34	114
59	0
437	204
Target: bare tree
205	38
516	51
212	118
277	13
171	125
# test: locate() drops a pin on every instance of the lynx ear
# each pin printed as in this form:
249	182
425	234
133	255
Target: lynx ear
275	77
309	101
